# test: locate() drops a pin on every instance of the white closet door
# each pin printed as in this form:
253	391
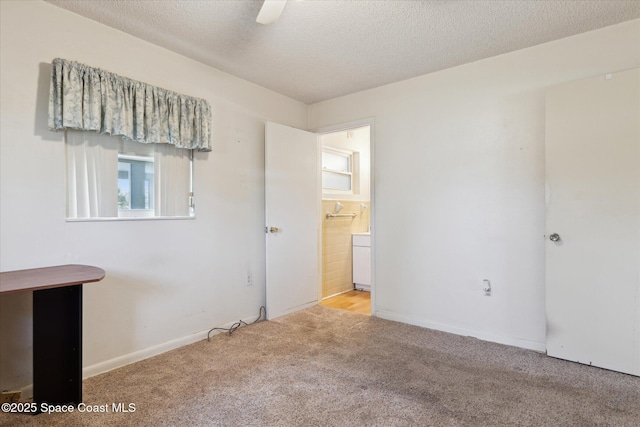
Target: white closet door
593	205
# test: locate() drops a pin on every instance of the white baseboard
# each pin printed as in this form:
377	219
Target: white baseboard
136	356
515	342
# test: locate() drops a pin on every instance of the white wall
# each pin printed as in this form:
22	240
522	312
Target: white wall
166	280
359	142
459	184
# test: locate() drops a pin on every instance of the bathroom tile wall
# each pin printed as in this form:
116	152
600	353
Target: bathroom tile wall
336	244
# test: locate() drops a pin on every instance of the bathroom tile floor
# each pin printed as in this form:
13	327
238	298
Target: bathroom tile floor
354	301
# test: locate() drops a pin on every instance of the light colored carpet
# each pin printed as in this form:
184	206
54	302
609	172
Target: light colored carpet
327	367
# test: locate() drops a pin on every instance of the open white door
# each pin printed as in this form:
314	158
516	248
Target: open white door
292	204
593	221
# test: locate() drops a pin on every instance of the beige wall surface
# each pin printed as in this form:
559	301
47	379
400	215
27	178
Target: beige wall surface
460	188
167	281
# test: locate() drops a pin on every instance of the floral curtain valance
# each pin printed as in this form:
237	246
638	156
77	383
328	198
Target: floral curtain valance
87	98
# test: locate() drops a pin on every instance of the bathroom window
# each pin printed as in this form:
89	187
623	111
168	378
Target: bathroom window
337	170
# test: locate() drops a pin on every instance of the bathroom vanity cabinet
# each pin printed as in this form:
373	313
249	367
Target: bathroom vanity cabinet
362	261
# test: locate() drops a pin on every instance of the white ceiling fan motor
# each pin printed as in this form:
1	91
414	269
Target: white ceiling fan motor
270	11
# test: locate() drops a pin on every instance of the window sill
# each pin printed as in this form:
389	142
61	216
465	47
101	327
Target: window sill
133	218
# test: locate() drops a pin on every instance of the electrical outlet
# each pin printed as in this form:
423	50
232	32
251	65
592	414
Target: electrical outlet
10	396
248	280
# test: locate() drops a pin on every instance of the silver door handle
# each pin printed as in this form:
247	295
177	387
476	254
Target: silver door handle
554	237
273	229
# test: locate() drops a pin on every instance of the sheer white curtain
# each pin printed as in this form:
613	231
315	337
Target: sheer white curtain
92	175
172	180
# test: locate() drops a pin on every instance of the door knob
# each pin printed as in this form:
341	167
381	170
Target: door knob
273	229
554	237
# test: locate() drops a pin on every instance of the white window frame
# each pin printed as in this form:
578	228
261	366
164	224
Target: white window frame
340	152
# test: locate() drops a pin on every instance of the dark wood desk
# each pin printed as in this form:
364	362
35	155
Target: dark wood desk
57	327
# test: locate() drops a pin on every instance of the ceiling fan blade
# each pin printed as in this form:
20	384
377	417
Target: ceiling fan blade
270	11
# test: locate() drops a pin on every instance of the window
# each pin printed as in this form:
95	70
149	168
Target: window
135	184
111	178
337	170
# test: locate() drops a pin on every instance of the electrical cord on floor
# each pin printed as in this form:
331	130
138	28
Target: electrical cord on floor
262	315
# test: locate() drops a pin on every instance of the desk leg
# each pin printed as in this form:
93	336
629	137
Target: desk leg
57	345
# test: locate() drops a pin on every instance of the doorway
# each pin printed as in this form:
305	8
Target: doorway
346	218
294	215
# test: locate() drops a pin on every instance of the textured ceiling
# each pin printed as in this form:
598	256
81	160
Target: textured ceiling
321	49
